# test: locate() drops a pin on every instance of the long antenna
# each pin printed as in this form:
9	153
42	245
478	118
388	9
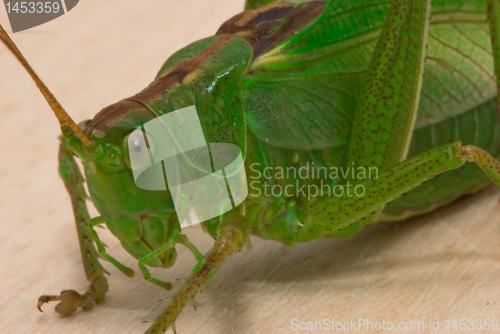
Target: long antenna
60	113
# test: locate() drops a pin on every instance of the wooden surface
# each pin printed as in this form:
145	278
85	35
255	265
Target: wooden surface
444	265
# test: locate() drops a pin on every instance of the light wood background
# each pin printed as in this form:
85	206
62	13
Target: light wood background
444	265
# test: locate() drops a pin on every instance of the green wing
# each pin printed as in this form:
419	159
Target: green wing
459	71
303	92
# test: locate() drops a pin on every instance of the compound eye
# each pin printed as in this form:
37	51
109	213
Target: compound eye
138	150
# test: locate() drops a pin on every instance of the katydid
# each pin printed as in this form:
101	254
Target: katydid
341	85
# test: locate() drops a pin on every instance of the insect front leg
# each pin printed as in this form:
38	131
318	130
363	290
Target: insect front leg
100	246
70	300
232	236
181	239
331	214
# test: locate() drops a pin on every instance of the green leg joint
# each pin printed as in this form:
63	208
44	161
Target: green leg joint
124	269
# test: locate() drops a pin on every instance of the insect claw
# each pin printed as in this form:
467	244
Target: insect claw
41	302
194	305
149	321
69	300
173	328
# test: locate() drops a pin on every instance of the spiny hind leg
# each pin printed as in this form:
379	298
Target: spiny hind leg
331	214
233	234
70	300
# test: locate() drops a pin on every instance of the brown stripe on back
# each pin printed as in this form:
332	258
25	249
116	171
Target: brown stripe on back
274	12
123	110
263	28
176	75
124	114
195	62
267	27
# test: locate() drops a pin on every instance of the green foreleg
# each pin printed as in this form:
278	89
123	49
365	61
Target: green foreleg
181	239
70	300
96	221
145	271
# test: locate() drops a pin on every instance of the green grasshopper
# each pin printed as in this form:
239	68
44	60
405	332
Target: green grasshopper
341	84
